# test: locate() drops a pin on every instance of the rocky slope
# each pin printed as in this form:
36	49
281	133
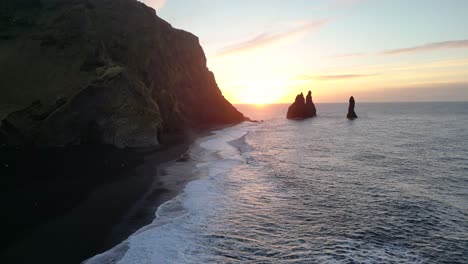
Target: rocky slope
102	71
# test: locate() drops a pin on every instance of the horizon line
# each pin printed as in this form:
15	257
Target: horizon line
367	102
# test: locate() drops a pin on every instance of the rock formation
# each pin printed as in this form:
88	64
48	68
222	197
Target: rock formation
297	109
108	71
351	114
302	108
310	107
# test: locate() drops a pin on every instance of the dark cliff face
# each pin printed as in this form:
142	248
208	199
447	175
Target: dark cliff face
102	70
302	108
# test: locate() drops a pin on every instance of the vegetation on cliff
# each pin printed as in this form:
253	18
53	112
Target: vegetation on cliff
107	71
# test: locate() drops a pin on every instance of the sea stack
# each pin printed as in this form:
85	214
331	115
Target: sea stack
351	114
296	110
310	107
302	108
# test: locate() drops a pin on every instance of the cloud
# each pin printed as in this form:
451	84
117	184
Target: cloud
420	92
335	77
156	4
268	38
444	45
454	44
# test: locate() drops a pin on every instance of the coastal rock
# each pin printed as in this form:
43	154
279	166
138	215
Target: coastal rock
351	114
310	109
302	108
107	71
297	109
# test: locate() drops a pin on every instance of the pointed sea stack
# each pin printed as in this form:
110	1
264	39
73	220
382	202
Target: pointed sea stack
302	108
310	110
351	114
296	110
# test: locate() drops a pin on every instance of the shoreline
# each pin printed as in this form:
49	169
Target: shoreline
102	214
210	158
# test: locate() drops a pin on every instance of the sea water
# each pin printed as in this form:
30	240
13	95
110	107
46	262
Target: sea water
388	187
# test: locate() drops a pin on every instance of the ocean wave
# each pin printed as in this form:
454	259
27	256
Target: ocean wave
173	236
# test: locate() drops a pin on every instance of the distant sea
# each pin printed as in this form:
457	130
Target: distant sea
388	187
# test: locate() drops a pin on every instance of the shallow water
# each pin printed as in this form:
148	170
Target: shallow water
388	187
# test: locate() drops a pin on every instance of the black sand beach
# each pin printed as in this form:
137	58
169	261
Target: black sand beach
65	205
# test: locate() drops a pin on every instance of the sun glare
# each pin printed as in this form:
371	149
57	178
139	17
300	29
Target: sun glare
259	91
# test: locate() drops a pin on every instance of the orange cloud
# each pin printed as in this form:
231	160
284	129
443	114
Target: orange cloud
268	38
455	44
417	92
451	44
334	77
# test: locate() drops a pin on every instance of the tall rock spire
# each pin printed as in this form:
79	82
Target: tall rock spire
311	111
351	114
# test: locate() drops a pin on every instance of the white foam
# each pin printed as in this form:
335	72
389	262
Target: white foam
173	235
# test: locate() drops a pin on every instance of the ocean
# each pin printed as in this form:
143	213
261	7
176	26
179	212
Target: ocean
388	187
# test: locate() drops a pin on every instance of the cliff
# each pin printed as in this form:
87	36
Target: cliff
102	71
302	108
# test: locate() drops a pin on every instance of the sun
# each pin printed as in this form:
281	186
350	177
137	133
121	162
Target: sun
259	91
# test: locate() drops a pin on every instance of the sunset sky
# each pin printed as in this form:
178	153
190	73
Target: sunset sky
267	51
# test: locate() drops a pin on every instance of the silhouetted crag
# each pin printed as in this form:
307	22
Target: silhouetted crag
302	108
351	114
108	71
310	107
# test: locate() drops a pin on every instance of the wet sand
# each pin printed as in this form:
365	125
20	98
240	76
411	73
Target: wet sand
66	205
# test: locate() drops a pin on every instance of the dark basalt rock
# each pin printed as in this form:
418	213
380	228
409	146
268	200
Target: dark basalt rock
351	114
125	76
302	108
310	107
297	109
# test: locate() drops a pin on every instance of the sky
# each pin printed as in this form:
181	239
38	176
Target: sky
268	51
